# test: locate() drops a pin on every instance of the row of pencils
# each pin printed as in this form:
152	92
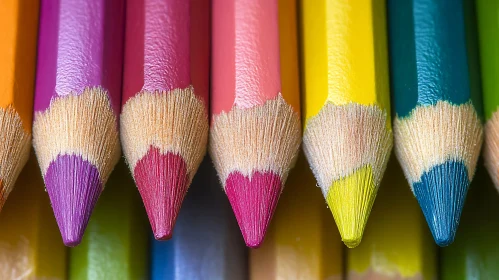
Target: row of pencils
85	80
302	241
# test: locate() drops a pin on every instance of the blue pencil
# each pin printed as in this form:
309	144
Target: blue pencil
206	243
438	106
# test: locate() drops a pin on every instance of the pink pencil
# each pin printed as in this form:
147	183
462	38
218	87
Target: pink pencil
164	119
77	103
255	129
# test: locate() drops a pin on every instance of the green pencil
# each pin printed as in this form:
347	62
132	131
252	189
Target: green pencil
116	240
488	29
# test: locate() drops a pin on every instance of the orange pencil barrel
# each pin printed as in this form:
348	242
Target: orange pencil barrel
19	23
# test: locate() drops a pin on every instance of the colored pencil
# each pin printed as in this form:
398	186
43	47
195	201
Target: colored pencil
488	29
255	129
207	244
397	243
302	241
347	136
30	245
77	104
19	21
164	119
437	127
475	253
116	243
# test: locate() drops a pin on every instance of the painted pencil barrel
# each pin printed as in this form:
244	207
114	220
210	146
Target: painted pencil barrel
164	118
302	241
19	21
437	101
475	253
77	104
30	244
207	243
255	125
115	245
397	242
347	134
488	30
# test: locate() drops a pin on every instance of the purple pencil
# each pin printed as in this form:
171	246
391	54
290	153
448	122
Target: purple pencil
77	103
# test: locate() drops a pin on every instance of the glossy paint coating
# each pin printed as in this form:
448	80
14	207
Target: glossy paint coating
246	60
167	47
115	245
80	45
488	31
432	54
19	21
206	242
475	252
345	56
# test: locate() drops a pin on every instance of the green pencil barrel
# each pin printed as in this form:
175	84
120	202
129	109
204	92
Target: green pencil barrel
115	244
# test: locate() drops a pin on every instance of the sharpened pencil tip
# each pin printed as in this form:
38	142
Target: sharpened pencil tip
441	193
352	242
350	200
162	181
163	234
253	201
73	185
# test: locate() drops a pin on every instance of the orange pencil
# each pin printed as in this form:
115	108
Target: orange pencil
255	129
19	22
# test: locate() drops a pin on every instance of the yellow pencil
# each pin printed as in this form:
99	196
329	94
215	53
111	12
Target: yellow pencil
397	243
302	242
347	136
30	243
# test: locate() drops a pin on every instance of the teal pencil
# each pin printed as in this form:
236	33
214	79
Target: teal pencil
438	106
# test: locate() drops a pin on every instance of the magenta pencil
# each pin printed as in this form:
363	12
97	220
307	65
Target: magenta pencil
76	106
164	118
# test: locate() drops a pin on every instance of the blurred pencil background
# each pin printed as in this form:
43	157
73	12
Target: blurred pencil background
115	245
30	243
207	243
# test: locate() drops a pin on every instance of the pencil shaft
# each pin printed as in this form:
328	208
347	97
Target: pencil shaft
207	243
30	244
77	105
255	132
115	244
488	27
347	129
19	21
437	99
167	47
80	47
397	243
